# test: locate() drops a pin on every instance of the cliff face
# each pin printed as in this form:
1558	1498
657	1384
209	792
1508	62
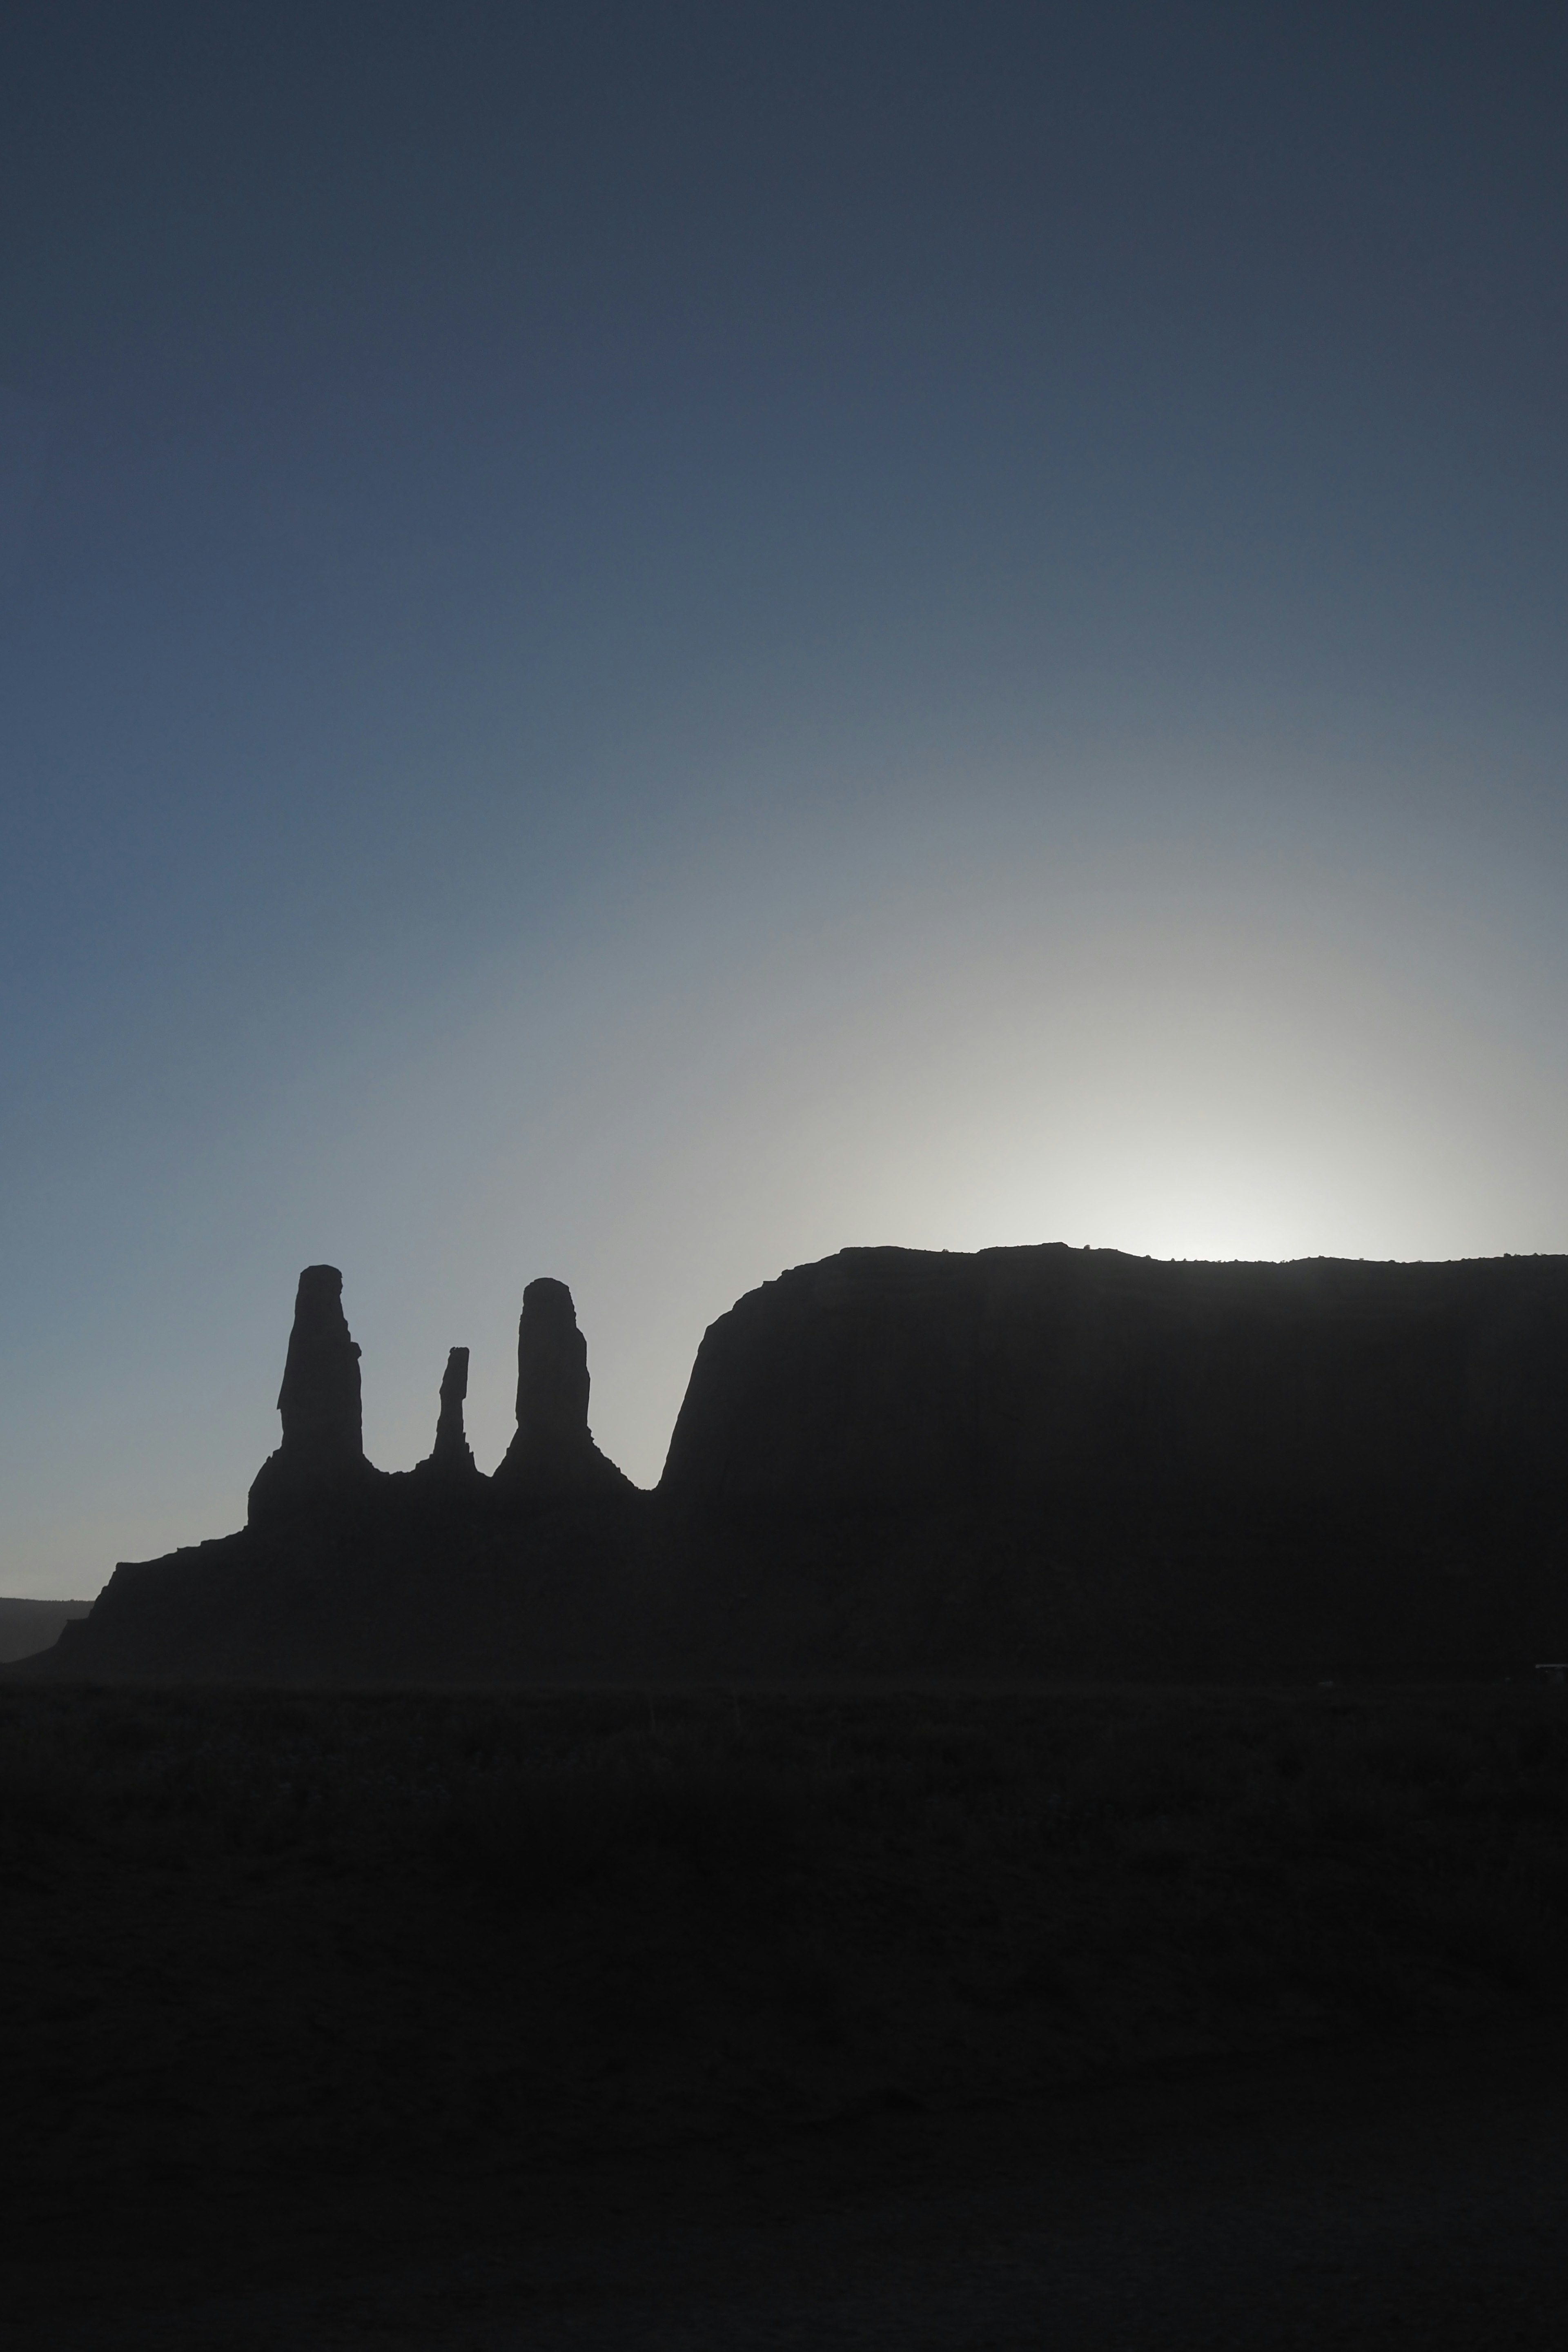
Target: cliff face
902	1377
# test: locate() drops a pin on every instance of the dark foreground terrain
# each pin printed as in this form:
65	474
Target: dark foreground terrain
1075	2017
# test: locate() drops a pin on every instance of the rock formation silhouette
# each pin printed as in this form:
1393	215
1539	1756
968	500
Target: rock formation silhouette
892	1377
553	1452
900	1463
450	1458
1048	1460
321	1457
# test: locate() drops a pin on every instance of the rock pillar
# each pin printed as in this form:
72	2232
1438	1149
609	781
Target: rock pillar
451	1457
322	1453
553	1452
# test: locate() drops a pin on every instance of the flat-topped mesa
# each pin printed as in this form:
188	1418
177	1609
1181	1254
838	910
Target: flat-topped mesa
322	1453
553	1452
886	1378
450	1457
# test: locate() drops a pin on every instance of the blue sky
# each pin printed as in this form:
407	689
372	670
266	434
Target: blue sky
640	642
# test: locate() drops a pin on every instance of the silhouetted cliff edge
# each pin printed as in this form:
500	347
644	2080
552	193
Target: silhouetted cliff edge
897	1377
1049	1460
902	1463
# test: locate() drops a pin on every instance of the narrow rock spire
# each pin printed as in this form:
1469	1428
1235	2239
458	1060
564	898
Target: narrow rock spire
322	1450
553	1452
451	1457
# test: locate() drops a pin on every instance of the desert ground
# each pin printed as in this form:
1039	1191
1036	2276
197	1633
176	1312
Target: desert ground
1052	2017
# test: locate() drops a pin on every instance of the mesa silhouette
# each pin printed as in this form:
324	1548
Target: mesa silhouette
903	1465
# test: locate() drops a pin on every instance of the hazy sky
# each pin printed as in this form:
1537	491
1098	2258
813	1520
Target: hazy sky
639	641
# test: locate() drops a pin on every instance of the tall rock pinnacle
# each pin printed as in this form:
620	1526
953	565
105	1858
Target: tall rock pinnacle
322	1451
451	1457
553	1452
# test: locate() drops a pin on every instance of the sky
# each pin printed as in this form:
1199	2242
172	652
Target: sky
640	642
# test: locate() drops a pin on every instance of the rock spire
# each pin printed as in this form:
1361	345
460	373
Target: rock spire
451	1457
323	1452
553	1452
